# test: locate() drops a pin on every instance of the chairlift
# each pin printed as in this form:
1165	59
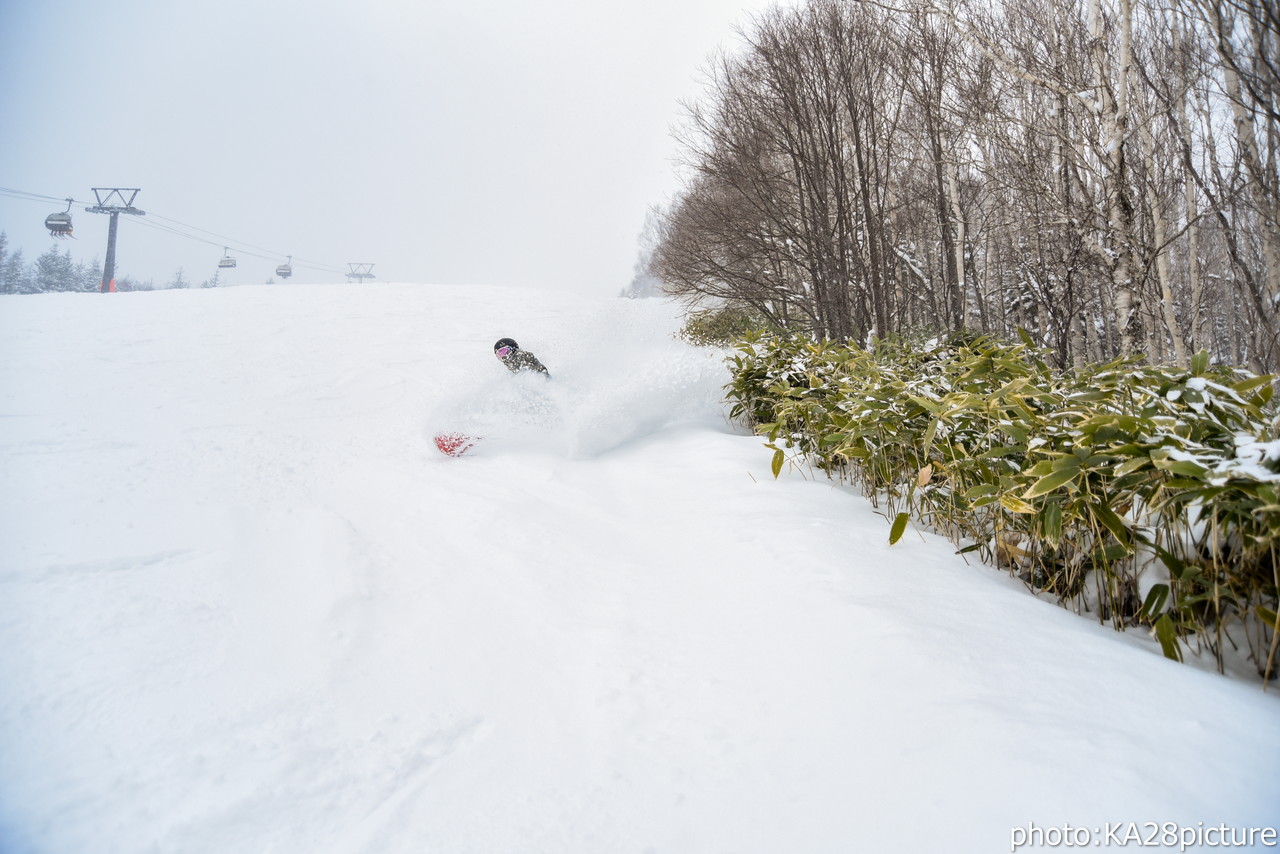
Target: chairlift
59	224
226	260
285	270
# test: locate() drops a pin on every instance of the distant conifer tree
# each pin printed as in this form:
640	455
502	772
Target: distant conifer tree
55	271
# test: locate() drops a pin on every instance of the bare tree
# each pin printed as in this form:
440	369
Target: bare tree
1059	166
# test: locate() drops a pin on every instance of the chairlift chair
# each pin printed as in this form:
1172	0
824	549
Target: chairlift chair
59	224
285	270
226	260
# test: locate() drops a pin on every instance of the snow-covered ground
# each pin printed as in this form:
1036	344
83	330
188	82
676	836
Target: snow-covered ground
246	606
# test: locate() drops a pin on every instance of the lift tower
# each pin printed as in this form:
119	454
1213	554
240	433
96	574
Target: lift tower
111	200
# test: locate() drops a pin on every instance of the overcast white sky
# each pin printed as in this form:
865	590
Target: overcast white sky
490	141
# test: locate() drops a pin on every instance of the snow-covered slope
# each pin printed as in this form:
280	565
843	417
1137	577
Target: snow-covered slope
246	606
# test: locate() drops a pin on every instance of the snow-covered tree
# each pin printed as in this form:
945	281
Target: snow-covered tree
89	276
14	275
55	271
4	257
645	283
1104	174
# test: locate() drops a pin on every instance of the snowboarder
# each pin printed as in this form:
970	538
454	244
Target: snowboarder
454	444
517	360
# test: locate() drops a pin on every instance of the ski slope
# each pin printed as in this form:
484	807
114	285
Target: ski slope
246	606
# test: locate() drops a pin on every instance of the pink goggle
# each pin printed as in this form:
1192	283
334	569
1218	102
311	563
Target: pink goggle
503	352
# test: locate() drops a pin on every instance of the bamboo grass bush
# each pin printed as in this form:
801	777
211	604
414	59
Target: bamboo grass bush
1149	496
719	327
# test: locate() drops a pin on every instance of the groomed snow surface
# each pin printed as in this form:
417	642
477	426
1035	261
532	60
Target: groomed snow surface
247	606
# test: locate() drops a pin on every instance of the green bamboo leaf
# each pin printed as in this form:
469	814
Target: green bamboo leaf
1168	637
1040	469
1051	520
961	403
1012	387
776	465
925	404
1111	521
1182	467
1094	461
982	490
1243	387
1110	554
1271	618
1179	483
928	437
1070	462
1172	562
1131	465
1050	482
1018	434
1199	363
899	528
1015	505
1154	603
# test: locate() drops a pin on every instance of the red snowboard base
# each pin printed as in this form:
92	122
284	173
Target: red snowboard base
455	444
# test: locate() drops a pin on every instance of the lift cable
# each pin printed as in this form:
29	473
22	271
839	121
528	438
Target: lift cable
223	239
225	242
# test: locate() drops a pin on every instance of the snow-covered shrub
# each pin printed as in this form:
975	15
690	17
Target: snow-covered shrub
1149	495
720	327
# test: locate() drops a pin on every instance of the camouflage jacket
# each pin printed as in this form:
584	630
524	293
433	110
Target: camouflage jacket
523	360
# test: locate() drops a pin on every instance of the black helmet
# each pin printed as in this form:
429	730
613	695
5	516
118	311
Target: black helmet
508	343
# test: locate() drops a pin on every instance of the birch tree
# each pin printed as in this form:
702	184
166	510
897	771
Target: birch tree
1099	173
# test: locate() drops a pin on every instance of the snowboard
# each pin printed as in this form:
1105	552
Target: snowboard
455	444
